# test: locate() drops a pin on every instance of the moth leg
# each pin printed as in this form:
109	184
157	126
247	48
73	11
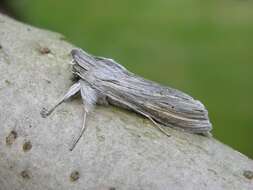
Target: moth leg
72	91
156	124
81	133
89	97
129	106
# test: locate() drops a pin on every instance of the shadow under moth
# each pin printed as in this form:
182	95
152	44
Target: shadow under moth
103	81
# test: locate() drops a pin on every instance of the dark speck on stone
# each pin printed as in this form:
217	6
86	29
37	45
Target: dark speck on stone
7	82
74	176
248	174
25	174
48	81
44	50
11	137
27	146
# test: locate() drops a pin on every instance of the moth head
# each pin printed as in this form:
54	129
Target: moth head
83	59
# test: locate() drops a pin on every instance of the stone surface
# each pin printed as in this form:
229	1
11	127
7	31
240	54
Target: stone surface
120	150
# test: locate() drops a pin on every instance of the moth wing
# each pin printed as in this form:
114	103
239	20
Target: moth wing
166	105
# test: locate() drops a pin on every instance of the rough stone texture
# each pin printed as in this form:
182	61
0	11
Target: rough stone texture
120	150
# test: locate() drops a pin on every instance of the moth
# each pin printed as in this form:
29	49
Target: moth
103	81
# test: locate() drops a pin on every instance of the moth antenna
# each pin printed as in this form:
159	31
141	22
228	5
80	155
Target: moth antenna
84	127
72	91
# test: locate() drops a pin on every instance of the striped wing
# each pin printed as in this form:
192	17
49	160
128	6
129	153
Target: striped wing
165	105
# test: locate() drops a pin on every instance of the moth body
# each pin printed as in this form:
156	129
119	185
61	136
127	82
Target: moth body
122	88
103	81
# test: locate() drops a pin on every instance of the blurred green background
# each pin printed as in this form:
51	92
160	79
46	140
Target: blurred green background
204	48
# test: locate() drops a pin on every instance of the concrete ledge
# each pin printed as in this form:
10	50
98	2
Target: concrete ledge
120	150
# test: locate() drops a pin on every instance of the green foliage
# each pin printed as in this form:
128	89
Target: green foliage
201	47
